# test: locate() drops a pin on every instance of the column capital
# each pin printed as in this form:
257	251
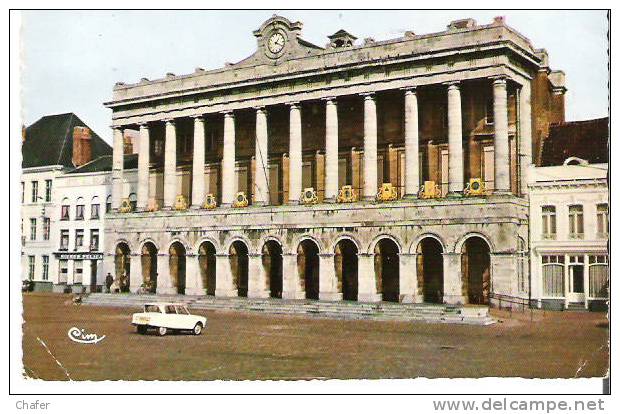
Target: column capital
330	100
294	104
261	109
326	255
168	120
410	90
499	80
118	127
143	125
368	96
198	117
453	84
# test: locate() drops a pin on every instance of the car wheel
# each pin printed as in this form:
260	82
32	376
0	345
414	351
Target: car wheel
198	329
141	329
162	331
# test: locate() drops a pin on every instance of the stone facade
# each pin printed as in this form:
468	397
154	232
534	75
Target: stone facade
444	119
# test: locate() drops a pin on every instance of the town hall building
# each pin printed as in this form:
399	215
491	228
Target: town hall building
391	170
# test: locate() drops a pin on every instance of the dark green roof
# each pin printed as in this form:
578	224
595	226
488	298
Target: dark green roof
49	141
104	163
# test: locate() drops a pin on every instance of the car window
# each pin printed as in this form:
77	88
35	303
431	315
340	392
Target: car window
170	309
182	310
151	308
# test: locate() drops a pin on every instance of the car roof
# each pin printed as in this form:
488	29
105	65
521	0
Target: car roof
165	304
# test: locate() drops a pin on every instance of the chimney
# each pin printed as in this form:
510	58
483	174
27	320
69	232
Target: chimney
82	150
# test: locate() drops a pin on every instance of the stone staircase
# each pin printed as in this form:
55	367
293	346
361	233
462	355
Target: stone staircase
432	313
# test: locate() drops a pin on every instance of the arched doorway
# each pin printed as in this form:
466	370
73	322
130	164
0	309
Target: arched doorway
238	256
308	267
272	263
430	269
148	260
206	263
122	264
387	271
345	260
476	269
177	266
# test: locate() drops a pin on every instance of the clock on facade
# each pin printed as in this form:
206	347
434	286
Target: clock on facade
276	42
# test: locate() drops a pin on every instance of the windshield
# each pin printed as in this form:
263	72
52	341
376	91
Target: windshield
151	308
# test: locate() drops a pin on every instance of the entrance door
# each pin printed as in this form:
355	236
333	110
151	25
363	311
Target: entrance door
93	275
576	291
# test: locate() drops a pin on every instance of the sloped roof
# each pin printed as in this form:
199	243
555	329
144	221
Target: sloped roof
49	141
588	140
104	163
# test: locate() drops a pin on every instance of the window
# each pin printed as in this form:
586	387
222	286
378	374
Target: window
78	267
94	239
489	117
108	204
46	267
158	147
63	266
599	277
23	190
575	222
33	229
79	209
48	191
94	209
64	239
46	228
548	222
30	267
553	276
35	191
64	210
79	238
602	221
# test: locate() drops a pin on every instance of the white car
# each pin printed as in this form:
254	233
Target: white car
168	317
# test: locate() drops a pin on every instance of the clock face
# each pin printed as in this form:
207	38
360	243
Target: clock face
276	41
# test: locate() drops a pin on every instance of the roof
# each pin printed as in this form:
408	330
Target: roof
104	163
49	141
588	140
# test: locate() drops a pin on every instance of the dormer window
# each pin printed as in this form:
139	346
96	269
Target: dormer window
341	39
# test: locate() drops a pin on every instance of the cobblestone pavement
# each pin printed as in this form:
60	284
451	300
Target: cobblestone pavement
239	345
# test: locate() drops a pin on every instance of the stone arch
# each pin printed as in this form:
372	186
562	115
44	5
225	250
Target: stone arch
311	238
413	247
346	237
386	252
271	256
238	256
148	263
458	247
429	254
476	269
377	239
122	265
177	252
186	245
149	240
308	266
274	238
209	239
226	246
207	265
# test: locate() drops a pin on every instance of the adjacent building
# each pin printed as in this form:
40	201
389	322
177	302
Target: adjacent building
51	147
569	224
359	170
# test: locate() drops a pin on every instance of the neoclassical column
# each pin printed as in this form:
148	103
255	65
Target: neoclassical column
452	285
170	164
143	167
328	282
224	286
257	278
135	273
117	167
502	146
370	146
292	285
164	280
331	150
295	161
229	179
412	157
455	141
367	279
525	135
198	163
261	175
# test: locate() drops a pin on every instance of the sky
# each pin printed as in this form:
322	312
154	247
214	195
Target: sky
72	59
